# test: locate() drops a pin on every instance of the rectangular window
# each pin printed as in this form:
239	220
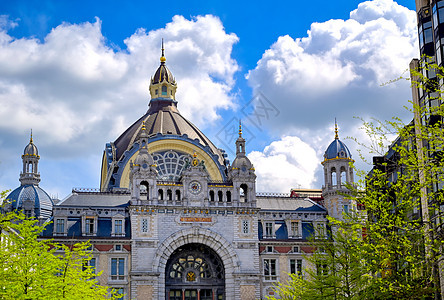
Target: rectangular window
60	226
269	229
296	266
346	208
294	229
117	268
296	249
118	226
245	226
270	269
89	225
144	226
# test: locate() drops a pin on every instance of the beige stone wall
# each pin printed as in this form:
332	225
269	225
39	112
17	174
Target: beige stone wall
283	268
247	292
145	292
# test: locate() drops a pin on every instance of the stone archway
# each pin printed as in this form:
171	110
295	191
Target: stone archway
195	272
197	235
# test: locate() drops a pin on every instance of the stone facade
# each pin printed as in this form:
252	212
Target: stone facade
173	219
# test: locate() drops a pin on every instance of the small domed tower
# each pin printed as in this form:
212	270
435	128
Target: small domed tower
29	197
337	172
163	85
143	173
242	174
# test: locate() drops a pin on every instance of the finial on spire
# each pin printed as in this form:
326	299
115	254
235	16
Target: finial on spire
336	130
30	140
240	128
162	58
143	125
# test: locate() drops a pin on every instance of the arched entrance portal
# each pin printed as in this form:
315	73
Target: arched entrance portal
194	272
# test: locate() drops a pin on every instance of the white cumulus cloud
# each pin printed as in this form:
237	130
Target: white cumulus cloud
77	91
338	69
284	164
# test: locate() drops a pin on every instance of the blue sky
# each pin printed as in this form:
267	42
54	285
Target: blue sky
77	73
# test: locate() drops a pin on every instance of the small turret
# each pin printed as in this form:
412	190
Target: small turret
163	85
242	173
338	172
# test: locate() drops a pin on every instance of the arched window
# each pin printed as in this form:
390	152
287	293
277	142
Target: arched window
220	196
177	195
164	90
343	176
228	196
160	194
333	177
144	189
169	195
211	195
244	191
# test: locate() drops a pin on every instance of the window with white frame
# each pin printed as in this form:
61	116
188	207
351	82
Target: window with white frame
296	266
270	272
144	225
60	225
245	226
118	227
296	249
89	225
294	228
268	229
117	268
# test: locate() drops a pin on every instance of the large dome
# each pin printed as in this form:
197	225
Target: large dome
168	133
41	202
163	117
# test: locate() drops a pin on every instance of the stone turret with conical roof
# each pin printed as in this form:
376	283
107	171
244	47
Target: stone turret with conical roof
242	173
143	173
338	172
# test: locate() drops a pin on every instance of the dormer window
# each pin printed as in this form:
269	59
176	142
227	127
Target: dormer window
164	90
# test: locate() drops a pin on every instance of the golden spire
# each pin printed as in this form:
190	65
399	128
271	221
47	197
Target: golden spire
240	128
30	140
336	130
143	125
162	58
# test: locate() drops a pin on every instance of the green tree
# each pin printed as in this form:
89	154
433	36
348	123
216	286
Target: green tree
403	198
34	268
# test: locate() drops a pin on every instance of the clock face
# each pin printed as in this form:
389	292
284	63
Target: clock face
195	187
144	166
244	168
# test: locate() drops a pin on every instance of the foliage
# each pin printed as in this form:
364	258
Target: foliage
396	256
34	268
